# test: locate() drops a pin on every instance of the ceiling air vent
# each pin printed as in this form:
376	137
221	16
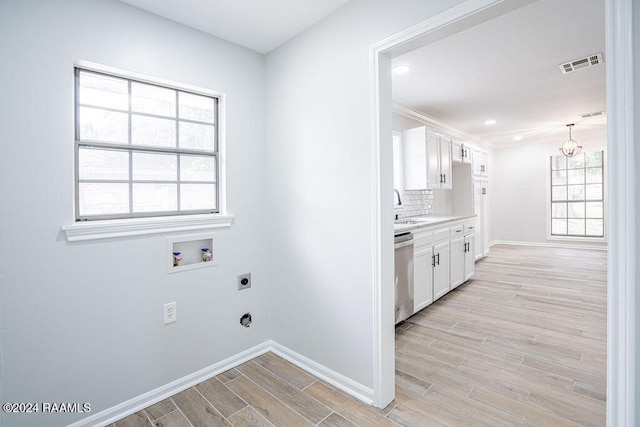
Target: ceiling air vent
591	115
579	64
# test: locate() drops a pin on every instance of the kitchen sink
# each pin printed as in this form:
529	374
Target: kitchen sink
407	222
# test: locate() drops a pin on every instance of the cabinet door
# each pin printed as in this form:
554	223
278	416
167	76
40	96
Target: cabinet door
433	160
478	199
414	159
467	153
469	256
441	270
457	262
485	218
481	208
484	165
445	163
457	151
422	278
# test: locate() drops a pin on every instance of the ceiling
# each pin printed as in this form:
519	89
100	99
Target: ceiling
506	69
260	25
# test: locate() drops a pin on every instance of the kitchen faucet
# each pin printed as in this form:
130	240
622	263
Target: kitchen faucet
395	190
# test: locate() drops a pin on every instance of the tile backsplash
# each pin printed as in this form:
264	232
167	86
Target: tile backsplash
414	203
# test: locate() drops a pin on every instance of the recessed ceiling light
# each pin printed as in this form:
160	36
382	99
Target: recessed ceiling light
517	138
401	69
490	122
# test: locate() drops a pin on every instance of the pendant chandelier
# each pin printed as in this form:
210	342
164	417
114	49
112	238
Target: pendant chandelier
570	147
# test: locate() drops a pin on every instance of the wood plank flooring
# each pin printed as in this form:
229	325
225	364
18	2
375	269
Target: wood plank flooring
522	344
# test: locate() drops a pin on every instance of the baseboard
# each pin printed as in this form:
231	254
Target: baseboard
550	245
332	377
134	405
138	403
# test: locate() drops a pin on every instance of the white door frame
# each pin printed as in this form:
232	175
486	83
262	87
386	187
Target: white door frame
621	333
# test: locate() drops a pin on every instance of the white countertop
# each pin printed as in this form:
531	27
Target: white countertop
415	222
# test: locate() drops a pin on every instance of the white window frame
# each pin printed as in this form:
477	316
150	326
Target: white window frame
126	227
577	239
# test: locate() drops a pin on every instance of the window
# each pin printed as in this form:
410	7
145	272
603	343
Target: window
142	149
577	195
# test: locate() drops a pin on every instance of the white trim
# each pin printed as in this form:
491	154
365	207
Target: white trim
138	403
605	197
549	245
332	377
145	400
119	228
622	275
434	124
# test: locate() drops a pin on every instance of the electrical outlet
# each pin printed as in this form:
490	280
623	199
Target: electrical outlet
244	281
170	312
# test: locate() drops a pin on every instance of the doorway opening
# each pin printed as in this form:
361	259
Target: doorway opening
621	246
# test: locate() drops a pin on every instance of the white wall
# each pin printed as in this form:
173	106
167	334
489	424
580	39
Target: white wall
518	184
319	173
83	322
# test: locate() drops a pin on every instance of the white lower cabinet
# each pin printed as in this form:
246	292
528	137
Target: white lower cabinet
422	277
457	261
469	256
443	258
440	269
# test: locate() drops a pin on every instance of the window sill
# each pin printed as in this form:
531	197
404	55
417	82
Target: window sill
120	228
578	239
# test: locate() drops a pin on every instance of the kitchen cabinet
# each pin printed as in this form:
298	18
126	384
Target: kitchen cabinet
469	257
457	261
481	209
461	152
480	159
423	270
426	160
442	259
440	269
462	262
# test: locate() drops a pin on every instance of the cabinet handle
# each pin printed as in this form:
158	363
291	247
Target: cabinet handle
441	179
484	191
433	260
471	228
444	178
481	168
438	262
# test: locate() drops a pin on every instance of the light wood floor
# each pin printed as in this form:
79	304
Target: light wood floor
523	343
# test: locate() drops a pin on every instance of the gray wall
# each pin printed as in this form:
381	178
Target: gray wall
83	322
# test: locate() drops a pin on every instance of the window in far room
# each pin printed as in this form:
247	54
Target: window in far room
143	149
577	195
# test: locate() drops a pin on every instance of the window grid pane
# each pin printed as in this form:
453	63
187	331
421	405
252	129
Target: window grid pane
577	201
137	143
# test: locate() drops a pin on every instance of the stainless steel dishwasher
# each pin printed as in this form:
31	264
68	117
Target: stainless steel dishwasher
404	276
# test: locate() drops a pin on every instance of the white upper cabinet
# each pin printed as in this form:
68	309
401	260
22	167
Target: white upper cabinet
426	160
461	152
480	162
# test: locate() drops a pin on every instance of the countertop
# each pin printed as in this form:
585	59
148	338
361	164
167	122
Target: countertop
415	222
